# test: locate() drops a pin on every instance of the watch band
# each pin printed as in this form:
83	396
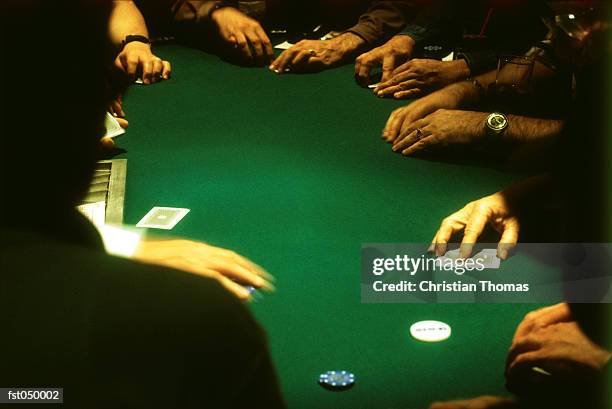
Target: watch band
134	37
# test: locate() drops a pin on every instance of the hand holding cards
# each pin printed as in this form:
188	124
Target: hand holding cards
113	129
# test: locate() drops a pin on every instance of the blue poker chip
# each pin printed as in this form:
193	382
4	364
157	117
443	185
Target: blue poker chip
337	380
255	294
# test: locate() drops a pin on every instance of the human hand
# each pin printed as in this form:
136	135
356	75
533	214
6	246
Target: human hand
563	354
481	402
495	210
419	76
440	129
244	34
136	59
542	317
450	97
389	56
116	109
232	270
317	55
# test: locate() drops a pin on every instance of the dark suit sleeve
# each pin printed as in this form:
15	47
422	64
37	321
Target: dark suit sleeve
433	20
232	347
505	37
382	20
198	11
479	61
261	389
165	338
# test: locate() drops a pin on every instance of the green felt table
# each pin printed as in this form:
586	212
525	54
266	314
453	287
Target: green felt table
290	171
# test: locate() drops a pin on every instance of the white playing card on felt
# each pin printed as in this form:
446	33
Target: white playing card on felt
452	254
113	128
162	218
284	45
488	257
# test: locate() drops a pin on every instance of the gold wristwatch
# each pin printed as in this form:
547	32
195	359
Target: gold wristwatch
496	123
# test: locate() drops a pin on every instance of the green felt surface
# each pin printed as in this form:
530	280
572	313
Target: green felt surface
291	172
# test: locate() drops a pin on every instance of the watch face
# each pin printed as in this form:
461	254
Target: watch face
497	122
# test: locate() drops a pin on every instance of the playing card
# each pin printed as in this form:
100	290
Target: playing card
331	35
488	257
162	218
452	254
284	45
113	128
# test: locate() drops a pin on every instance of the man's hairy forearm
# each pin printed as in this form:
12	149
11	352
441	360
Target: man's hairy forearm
126	19
473	93
539	73
526	129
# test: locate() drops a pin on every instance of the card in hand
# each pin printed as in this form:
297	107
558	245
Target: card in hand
488	257
112	126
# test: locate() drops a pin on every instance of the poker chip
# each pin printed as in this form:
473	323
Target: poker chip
337	380
430	331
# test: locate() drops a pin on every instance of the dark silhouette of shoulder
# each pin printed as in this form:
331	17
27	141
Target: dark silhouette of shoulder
117	333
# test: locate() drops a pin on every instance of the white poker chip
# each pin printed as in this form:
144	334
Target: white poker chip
430	331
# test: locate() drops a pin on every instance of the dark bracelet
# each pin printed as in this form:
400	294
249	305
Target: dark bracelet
132	38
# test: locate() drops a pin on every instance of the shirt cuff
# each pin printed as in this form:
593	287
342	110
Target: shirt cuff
200	11
120	241
369	36
479	62
417	33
